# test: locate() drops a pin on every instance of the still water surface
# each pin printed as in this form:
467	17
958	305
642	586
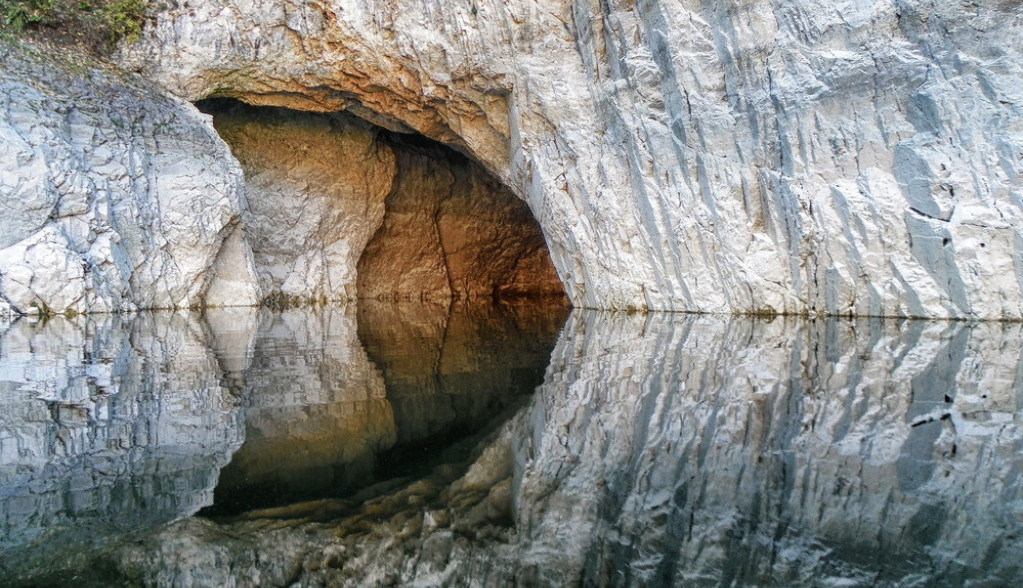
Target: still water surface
509	445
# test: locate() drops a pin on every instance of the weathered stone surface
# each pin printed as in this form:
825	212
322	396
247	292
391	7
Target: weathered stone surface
113	196
314	195
759	155
318	186
452	231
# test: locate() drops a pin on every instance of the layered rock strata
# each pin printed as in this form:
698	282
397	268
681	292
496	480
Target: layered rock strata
758	156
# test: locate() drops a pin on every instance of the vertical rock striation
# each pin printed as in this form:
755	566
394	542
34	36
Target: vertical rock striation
767	155
703	452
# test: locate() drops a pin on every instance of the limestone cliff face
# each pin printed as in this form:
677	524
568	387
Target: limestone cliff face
113	196
792	156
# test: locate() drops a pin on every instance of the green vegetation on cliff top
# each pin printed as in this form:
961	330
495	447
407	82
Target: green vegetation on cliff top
95	25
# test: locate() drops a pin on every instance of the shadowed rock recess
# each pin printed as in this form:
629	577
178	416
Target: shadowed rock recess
336	208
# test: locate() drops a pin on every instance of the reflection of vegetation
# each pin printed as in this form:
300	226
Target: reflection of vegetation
96	24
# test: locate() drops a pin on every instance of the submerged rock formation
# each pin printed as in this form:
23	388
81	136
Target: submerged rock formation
758	156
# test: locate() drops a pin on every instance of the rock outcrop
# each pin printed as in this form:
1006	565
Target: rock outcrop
113	196
760	156
118	198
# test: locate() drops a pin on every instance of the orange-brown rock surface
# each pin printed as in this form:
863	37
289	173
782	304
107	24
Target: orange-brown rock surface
452	231
336	209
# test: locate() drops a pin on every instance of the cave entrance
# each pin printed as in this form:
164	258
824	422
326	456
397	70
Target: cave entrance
338	209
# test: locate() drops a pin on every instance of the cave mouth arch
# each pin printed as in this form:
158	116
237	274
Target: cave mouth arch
338	209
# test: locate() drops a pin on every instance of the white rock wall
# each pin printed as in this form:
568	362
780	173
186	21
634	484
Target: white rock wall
786	155
112	195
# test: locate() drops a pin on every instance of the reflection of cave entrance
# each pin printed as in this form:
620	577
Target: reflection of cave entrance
337	208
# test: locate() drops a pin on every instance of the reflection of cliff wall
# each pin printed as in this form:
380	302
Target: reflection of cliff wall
106	425
673	450
315	417
320	415
703	451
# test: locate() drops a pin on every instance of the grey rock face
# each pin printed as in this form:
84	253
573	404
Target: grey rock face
113	196
791	156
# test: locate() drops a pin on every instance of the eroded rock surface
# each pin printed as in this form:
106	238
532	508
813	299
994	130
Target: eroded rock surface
314	195
787	156
113	196
452	231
